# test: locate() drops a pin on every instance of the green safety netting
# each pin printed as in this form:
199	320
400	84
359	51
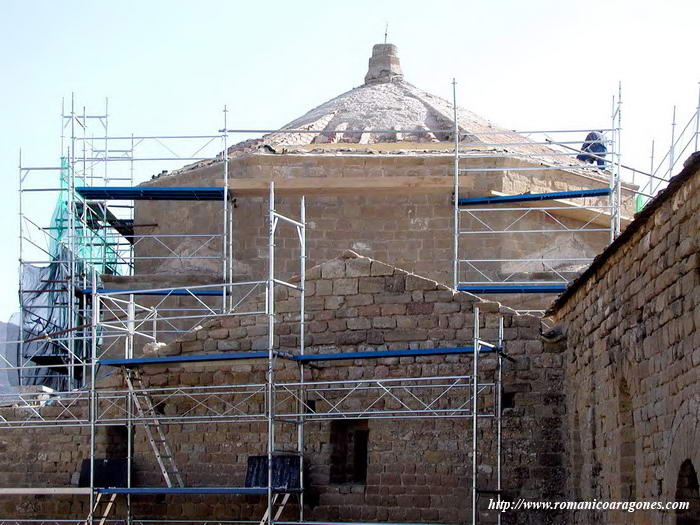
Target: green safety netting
98	240
639	202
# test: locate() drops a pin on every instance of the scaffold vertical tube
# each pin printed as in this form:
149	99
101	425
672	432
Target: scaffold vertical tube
455	240
302	332
697	120
270	343
499	412
618	164
475	417
226	267
129	445
93	394
20	348
72	263
131	313
671	151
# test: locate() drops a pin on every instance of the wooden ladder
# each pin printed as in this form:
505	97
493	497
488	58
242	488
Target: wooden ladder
277	508
108	505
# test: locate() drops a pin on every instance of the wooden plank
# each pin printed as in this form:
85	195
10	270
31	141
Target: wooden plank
10	491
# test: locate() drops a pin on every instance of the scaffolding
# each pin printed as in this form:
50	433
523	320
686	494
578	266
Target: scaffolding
73	328
588	215
117	321
93	229
661	170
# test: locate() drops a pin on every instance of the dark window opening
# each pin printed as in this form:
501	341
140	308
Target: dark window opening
507	400
349	446
687	489
310	406
116	441
110	467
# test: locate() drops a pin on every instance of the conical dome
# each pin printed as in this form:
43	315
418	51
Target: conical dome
387	109
384	109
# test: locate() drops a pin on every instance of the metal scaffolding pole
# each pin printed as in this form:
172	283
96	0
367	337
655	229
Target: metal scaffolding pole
20	346
226	265
499	413
455	219
270	379
93	392
475	417
301	405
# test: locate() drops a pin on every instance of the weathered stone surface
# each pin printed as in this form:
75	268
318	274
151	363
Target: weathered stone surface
630	371
422	462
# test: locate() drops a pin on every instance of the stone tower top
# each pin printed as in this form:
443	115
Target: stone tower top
384	65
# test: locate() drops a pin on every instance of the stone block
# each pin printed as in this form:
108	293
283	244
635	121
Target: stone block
358	323
228	345
324	287
381	269
414	282
370	285
359	267
345	286
333	269
218	333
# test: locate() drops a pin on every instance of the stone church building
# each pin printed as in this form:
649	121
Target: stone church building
386	192
599	401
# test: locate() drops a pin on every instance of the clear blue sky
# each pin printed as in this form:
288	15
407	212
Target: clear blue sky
170	66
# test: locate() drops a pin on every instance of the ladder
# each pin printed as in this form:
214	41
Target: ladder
147	413
277	508
108	505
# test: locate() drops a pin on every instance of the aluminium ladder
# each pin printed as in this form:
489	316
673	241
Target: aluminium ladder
147	413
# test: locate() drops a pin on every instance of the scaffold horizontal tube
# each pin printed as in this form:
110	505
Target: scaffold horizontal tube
14	491
188	490
166	291
551	288
525	197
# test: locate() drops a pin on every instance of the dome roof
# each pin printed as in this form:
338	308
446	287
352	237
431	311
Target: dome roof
387	109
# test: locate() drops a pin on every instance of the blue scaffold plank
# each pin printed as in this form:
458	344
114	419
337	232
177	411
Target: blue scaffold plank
349	523
188	358
525	197
169	291
377	354
128	193
482	289
184	490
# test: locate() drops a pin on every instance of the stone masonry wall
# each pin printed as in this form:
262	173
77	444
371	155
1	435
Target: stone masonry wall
418	470
632	363
411	228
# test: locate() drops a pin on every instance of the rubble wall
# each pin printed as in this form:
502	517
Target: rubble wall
632	362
